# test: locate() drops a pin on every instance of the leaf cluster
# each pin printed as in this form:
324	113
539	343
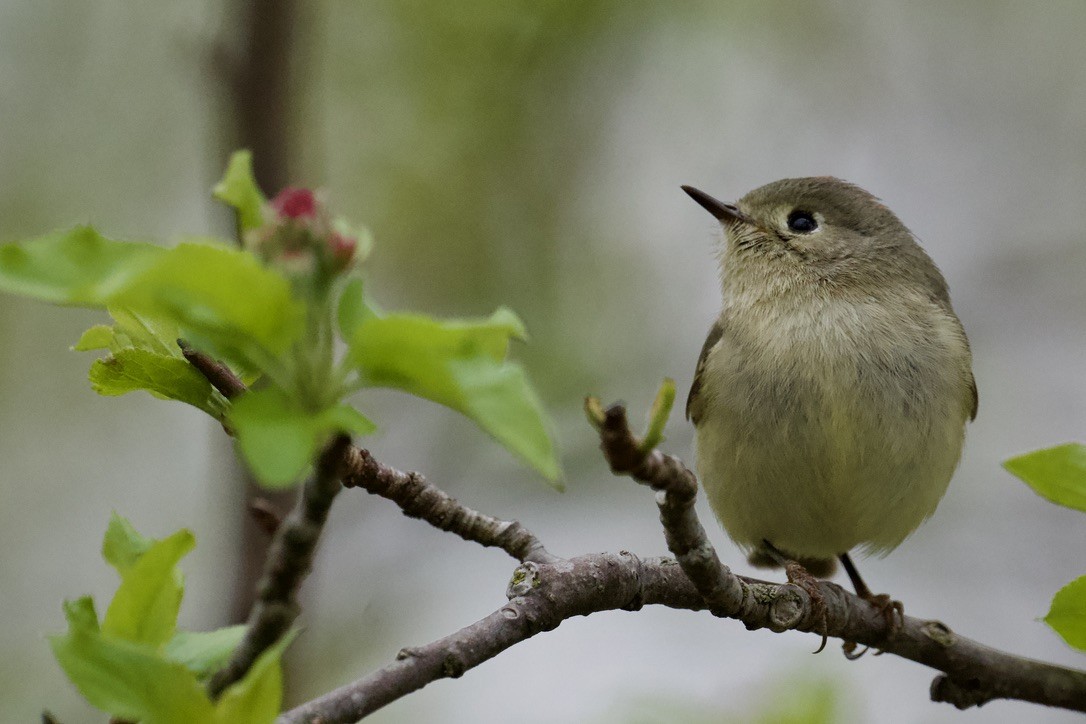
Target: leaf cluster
135	664
308	340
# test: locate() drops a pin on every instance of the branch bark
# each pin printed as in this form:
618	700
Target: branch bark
543	594
546	590
419	499
289	559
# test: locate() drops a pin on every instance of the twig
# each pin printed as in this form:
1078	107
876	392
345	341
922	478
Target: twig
218	374
419	499
678	489
289	560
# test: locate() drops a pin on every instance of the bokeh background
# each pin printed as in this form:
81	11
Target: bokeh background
529	153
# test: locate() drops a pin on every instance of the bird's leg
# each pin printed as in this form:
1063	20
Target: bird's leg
800	576
893	611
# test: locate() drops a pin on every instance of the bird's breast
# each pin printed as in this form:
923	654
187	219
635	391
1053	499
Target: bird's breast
830	423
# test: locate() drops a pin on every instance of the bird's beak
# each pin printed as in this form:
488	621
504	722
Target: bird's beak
727	213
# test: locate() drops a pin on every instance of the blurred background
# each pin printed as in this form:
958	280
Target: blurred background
530	153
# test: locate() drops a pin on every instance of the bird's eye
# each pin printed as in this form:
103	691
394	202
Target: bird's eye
802	222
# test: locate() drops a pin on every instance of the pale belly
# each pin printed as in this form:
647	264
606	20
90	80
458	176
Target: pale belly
828	454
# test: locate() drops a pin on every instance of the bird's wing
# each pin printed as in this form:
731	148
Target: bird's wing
976	397
693	401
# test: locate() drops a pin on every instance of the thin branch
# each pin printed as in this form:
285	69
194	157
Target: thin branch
218	374
289	560
686	539
410	491
419	499
541	596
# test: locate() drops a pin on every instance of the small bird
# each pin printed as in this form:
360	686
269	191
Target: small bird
832	393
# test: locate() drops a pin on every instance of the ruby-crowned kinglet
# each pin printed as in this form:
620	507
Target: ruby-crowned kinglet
831	395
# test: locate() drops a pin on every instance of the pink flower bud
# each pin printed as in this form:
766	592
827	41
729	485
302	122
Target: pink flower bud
295	203
342	248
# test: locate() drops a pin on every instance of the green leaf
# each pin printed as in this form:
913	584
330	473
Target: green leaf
279	439
167	378
238	189
128	680
257	698
352	309
204	652
1057	473
80	614
78	266
100	336
661	409
460	364
123	545
145	356
1067	616
344	418
144	608
221	298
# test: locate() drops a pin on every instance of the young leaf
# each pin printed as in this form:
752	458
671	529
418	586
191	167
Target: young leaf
238	189
144	608
204	652
100	336
81	614
167	378
78	266
352	309
123	545
257	698
1057	473
145	356
279	439
460	364
234	305
128	680
1067	615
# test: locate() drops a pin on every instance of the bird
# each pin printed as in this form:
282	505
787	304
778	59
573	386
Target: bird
832	393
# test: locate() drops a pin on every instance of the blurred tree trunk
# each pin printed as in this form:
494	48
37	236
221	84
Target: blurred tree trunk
255	66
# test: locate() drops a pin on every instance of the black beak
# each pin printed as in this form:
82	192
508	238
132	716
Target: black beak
722	211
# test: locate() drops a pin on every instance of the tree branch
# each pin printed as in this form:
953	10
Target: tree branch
289	560
973	674
419	499
541	596
546	590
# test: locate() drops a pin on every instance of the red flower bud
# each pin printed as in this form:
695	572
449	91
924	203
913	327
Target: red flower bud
295	203
342	248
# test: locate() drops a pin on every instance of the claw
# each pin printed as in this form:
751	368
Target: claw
849	649
891	610
799	576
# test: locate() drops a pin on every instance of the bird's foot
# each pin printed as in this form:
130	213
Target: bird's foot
799	576
891	610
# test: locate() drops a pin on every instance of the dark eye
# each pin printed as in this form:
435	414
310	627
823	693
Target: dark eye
802	222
